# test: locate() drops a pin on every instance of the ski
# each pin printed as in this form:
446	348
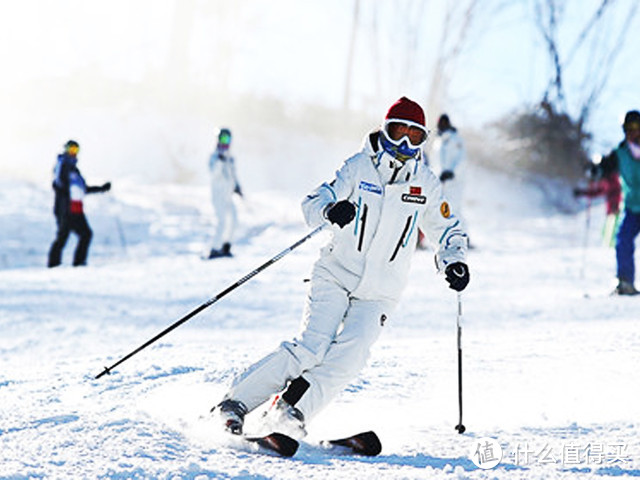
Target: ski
611	294
365	443
275	442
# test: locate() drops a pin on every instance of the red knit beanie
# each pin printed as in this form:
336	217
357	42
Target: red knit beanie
405	109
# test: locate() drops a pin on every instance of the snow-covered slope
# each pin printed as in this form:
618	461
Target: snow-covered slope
550	360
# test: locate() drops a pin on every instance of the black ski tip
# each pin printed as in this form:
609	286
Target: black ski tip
461	428
287	446
365	443
106	371
277	442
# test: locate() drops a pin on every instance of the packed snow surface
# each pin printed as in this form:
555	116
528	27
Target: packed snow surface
550	359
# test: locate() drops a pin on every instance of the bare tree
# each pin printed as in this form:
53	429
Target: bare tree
601	53
403	52
547	19
600	68
458	21
552	136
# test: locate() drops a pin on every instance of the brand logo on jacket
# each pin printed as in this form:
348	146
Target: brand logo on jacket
370	187
414	196
421	199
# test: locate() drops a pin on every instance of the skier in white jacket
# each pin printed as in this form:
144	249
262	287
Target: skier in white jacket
224	183
453	159
375	205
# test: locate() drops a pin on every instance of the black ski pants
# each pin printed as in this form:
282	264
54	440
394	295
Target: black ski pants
76	223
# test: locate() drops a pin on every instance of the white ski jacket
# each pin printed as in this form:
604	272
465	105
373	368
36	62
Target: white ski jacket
451	151
224	179
371	256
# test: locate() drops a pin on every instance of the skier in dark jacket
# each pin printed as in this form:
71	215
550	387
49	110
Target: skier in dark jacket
70	188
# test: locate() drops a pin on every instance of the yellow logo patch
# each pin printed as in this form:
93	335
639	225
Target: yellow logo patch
444	210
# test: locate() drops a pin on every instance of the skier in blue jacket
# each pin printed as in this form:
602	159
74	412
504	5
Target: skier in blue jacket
625	159
70	188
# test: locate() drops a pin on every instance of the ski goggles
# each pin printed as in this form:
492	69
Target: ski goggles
73	150
399	130
224	139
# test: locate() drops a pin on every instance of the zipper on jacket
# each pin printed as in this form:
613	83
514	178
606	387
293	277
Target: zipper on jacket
399	244
394	175
363	220
413	224
355	224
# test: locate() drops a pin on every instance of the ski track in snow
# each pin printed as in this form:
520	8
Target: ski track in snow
550	360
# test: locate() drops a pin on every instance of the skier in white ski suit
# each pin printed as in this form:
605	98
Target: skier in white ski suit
376	203
453	158
224	183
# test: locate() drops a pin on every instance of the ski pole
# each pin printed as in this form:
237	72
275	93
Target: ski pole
587	227
460	427
212	300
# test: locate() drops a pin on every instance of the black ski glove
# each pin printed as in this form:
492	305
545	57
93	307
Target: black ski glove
580	192
457	274
593	172
446	175
341	213
106	187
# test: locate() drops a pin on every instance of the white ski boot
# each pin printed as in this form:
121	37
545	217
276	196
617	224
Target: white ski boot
284	418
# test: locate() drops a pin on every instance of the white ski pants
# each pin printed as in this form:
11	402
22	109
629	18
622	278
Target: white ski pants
226	216
337	335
